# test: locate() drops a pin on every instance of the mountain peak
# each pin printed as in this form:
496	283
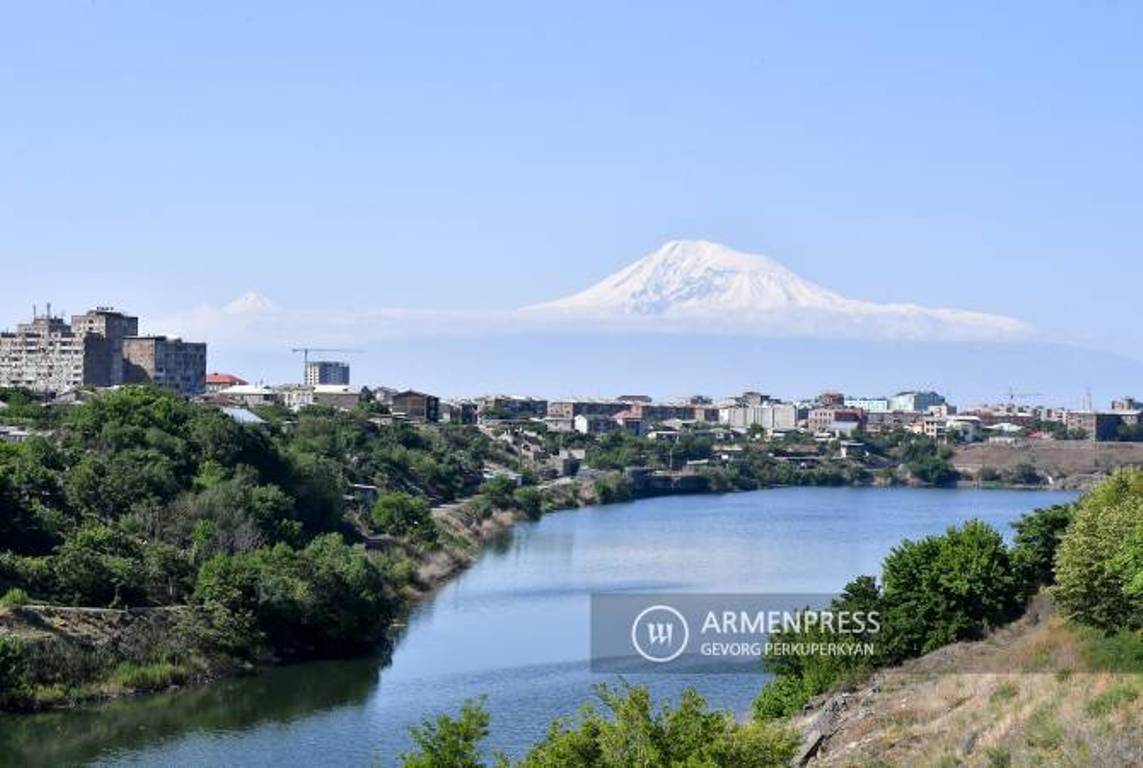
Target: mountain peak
700	282
709	253
697	277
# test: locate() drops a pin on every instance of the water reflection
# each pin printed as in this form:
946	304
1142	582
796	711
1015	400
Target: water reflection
278	696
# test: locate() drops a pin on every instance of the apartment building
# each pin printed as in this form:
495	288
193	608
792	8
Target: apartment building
1101	425
596	424
869	404
165	362
51	355
459	412
838	421
772	416
1126	404
326	372
569	409
45	355
917	402
114	327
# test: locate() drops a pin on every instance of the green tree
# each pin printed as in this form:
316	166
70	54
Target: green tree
99	565
451	742
947	588
1099	565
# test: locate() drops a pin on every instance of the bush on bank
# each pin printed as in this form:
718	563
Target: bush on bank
934	591
326	599
629	732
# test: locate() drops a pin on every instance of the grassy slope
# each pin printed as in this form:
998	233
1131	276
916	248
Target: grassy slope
1018	698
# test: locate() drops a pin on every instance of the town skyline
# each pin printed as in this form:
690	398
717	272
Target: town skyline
103	347
741	320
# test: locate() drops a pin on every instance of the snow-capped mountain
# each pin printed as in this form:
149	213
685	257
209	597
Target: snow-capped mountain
695	284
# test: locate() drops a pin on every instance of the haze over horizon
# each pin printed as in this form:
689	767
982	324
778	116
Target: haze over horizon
734	320
390	165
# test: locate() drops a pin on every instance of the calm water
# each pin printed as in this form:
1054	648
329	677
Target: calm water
514	628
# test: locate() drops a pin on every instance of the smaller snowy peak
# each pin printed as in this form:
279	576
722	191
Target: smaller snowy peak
249	303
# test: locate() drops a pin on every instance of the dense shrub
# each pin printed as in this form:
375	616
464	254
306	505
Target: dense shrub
402	514
324	600
800	676
530	501
989	475
99	565
612	488
499	490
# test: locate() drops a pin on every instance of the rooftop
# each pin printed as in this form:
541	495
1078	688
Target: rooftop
228	379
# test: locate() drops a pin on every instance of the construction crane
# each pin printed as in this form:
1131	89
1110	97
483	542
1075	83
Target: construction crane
306	354
1013	394
306	351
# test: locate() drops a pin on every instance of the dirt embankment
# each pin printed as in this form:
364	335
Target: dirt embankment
1018	698
107	652
465	533
1066	463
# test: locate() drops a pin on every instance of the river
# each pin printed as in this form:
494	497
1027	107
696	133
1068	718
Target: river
514	628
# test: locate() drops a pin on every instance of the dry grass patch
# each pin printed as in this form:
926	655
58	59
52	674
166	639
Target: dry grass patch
1027	702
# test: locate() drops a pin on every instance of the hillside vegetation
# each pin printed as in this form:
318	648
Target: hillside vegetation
138	499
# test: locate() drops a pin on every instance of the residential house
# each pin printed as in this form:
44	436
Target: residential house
216	382
595	424
508	408
416	406
836	421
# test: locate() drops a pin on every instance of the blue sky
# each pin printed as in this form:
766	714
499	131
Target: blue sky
161	156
